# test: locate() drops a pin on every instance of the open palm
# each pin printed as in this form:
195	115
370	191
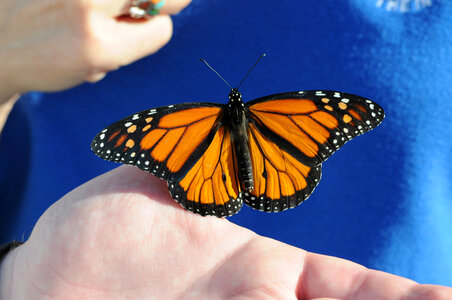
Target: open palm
120	236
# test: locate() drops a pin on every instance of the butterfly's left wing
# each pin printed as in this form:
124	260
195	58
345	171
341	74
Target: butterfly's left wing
184	144
211	186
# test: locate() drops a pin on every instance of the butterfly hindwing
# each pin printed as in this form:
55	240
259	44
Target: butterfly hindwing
280	180
211	186
165	141
312	125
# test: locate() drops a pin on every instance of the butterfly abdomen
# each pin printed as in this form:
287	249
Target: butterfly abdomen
237	122
240	141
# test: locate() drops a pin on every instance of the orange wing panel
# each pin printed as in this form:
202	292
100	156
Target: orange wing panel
312	128
187	116
192	137
325	119
151	138
286	106
167	144
287	188
288	130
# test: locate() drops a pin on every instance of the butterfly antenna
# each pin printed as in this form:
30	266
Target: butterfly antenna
250	70
215	72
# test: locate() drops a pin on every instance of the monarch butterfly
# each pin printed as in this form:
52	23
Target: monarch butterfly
267	152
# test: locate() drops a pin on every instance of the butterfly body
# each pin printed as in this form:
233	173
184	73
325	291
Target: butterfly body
266	153
236	119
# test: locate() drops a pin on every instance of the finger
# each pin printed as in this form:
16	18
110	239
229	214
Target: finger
325	276
330	277
121	7
120	43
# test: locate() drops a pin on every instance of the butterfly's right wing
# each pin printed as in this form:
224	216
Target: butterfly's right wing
166	141
211	186
291	134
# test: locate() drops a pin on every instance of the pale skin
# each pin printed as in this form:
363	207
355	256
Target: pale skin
121	236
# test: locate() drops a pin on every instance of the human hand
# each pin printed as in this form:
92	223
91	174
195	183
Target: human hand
50	45
121	236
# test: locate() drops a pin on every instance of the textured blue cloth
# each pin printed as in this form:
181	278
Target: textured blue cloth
385	199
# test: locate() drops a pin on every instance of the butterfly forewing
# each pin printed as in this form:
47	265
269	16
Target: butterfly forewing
312	125
166	141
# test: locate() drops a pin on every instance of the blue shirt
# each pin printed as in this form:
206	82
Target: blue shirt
384	200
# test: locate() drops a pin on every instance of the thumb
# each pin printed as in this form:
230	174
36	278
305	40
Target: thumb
121	42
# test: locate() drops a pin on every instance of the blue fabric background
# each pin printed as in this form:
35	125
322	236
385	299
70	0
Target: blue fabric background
385	198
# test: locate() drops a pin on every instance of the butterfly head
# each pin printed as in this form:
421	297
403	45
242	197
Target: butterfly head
236	108
235	96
